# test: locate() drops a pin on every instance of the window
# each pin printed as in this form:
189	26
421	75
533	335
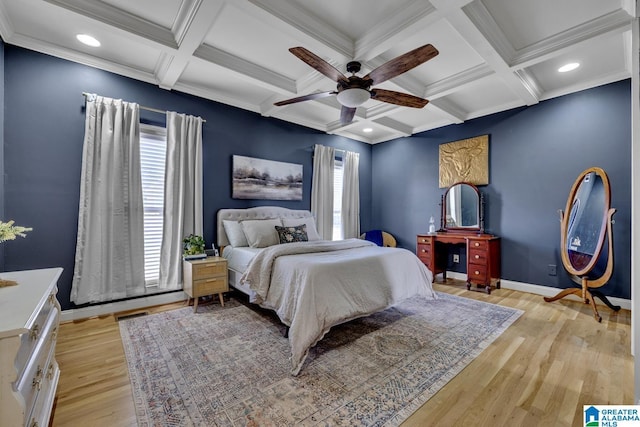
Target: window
153	147
337	200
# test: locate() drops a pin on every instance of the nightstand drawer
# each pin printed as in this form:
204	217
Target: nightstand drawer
202	271
210	286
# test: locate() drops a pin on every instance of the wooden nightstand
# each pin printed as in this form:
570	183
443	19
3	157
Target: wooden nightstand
206	276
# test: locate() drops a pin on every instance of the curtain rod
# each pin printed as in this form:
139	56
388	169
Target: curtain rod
142	107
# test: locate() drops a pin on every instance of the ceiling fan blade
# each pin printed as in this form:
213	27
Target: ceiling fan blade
346	114
398	98
401	64
305	98
319	64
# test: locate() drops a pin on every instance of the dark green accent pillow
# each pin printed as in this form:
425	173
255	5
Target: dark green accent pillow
292	234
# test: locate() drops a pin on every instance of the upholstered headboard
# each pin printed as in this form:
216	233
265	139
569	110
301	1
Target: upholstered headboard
260	212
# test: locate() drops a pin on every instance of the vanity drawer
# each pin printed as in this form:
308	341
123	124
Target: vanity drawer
202	271
478	244
477	273
424	250
477	256
210	286
424	240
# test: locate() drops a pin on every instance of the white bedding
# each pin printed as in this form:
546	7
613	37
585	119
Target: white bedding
313	286
238	259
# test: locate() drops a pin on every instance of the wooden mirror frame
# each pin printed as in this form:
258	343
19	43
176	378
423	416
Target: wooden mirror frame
479	211
564	226
588	285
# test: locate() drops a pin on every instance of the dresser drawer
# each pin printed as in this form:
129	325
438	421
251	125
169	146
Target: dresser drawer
30	339
477	256
205	270
424	250
34	374
210	286
424	240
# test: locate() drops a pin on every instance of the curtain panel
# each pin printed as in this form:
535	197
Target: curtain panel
109	261
322	190
351	196
182	194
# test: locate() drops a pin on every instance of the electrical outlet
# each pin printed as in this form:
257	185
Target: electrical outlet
456	258
551	269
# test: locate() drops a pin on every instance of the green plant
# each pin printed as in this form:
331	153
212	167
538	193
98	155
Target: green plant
8	231
193	244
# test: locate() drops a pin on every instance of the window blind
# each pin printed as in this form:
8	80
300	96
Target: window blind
153	147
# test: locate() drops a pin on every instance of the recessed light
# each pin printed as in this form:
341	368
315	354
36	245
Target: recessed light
367	130
568	67
88	40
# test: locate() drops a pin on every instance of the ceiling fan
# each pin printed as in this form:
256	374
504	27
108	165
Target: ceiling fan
354	91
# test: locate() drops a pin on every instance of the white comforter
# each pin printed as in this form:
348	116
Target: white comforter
313	286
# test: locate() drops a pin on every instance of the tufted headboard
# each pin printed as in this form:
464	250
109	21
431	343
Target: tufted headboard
260	212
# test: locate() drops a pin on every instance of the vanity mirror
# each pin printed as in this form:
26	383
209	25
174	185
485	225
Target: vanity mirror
462	209
583	231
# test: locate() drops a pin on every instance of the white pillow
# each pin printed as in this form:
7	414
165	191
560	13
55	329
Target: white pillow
235	234
312	233
261	233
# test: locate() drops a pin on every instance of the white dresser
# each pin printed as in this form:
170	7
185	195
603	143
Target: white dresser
29	318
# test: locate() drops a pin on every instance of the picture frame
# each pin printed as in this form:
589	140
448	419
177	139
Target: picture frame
262	179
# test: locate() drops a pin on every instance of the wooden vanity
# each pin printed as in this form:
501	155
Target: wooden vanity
462	223
483	256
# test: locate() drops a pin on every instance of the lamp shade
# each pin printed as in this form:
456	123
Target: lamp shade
353	97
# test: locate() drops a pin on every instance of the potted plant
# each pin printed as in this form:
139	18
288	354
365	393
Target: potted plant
193	247
8	231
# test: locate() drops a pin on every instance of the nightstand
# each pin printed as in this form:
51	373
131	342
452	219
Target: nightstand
206	276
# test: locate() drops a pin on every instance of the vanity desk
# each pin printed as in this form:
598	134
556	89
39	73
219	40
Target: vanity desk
483	256
462	222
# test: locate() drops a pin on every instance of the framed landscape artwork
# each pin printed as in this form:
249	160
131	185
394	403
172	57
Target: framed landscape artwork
266	179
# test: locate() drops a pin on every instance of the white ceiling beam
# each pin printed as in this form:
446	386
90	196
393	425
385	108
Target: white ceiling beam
456	82
395	126
200	20
259	75
110	15
450	110
322	32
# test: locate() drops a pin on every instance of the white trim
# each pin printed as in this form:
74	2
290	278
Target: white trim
116	307
545	291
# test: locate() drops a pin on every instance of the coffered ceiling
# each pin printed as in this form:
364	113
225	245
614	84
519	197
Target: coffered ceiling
494	54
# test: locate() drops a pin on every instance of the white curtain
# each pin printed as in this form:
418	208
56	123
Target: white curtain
351	196
182	194
109	262
322	190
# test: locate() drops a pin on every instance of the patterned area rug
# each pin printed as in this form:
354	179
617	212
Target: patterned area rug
228	366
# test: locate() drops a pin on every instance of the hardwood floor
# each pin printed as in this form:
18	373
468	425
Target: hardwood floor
550	362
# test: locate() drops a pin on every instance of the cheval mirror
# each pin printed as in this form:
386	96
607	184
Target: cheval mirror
583	231
462	209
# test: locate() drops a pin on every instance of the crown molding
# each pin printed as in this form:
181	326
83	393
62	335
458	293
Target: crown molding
454	83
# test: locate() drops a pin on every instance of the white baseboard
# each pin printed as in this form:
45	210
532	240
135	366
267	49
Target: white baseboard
115	307
545	291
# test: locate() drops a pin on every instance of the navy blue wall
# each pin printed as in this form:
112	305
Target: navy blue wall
535	155
44	129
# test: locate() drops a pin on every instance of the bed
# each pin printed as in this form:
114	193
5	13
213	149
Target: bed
316	284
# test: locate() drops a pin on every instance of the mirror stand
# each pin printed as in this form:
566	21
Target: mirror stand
587	291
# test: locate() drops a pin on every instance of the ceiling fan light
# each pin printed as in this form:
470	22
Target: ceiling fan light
353	97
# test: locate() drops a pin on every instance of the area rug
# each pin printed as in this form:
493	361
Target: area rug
229	366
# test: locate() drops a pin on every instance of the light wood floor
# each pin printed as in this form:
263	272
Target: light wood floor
550	362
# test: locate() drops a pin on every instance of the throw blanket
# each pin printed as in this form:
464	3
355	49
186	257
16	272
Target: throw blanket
313	286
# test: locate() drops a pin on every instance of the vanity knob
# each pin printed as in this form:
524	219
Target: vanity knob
477	272
477	256
477	244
